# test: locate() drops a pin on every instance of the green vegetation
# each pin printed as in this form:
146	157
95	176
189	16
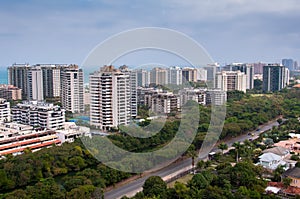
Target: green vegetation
70	171
244	180
63	171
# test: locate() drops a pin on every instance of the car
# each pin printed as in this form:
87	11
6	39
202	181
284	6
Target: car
257	129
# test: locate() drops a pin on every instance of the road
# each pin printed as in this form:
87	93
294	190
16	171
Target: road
171	170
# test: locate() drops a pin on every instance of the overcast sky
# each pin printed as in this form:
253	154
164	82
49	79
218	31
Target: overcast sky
65	31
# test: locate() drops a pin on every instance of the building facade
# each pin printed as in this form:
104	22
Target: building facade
275	77
51	79
159	76
10	92
174	75
248	69
5	115
39	114
17	76
231	80
288	63
72	89
35	84
143	78
111	98
189	75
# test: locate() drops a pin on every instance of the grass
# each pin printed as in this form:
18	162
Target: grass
183	180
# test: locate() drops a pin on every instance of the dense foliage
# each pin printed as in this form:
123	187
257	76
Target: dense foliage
63	171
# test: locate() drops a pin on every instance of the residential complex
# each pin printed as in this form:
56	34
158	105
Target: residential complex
51	79
247	69
159	76
17	76
175	75
15	138
72	90
275	77
231	80
189	75
143	78
10	92
35	84
38	114
111	104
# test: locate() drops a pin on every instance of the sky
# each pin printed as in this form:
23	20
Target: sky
65	31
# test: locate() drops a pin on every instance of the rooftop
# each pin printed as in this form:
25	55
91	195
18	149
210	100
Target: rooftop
294	172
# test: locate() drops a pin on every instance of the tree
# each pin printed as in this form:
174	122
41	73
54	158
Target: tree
193	154
286	182
238	146
155	186
223	146
181	190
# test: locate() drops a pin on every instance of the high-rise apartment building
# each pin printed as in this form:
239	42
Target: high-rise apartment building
202	74
143	78
39	114
17	76
211	74
275	77
51	79
258	67
175	75
133	89
248	69
288	63
35	84
159	76
189	74
72	91
111	104
231	80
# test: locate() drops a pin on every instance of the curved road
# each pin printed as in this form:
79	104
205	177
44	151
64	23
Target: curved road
171	170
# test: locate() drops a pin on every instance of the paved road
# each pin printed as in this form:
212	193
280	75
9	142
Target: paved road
133	187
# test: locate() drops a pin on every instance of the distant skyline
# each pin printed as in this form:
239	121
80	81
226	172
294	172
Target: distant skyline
230	30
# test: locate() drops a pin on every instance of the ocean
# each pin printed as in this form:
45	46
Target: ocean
3	75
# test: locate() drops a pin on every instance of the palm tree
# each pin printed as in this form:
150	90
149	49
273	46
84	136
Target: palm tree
238	146
193	154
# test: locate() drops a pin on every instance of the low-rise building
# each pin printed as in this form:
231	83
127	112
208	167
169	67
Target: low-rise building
15	138
39	114
71	131
197	95
294	175
271	161
163	103
10	92
292	144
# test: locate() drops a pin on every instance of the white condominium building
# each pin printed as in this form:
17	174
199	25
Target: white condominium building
231	80
39	114
111	105
35	84
4	110
72	90
143	78
175	75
